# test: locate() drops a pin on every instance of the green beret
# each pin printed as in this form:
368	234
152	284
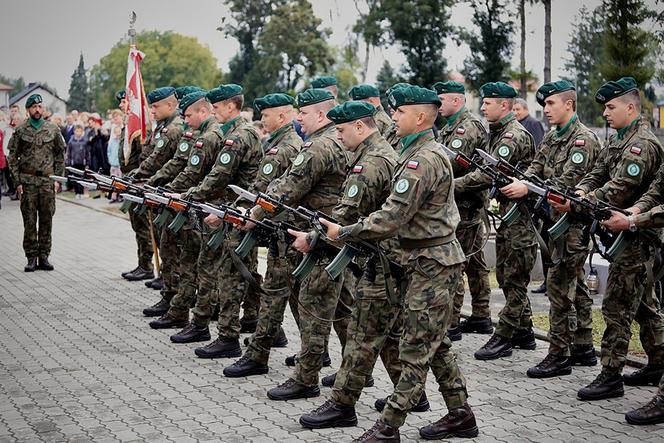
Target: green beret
224	92
395	86
33	100
120	95
313	96
323	82
449	87
273	101
351	111
160	93
412	95
360	92
552	88
190	99
497	90
611	90
186	90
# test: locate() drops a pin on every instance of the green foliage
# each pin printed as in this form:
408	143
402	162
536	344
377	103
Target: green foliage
79	92
170	59
347	64
385	79
491	46
17	84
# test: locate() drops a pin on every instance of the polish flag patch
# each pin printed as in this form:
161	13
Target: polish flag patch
307	144
188	134
273	151
635	150
229	142
580	143
198	144
508	135
358	168
413	164
460	131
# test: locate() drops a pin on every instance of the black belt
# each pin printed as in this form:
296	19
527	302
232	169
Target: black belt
425	243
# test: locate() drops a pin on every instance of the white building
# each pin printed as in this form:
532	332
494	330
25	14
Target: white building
50	99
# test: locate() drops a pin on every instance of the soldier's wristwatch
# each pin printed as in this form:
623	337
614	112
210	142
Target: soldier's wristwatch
632	222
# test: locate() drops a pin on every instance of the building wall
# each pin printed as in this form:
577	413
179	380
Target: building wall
53	103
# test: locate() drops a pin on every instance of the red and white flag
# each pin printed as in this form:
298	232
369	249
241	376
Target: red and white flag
138	118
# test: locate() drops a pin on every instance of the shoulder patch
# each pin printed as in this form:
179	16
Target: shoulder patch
307	144
195	160
357	168
633	170
225	158
504	151
273	151
353	190
229	142
298	160
456	143
460	131
401	186
413	164
508	135
199	144
578	158
268	168
635	150
580	143
188	134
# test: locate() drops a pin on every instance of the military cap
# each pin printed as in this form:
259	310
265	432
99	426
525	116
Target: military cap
449	87
497	90
224	92
553	88
412	95
395	86
120	95
360	92
613	89
33	100
313	96
185	90
160	94
324	81
273	101
190	99
350	111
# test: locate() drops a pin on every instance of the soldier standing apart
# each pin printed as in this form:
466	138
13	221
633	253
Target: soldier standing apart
623	172
565	155
463	132
515	244
422	212
38	151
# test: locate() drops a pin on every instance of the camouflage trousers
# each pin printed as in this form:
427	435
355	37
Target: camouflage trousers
374	330
190	240
169	253
424	343
319	296
342	315
234	285
280	288
629	296
570	311
37	209
251	303
141	227
515	258
471	235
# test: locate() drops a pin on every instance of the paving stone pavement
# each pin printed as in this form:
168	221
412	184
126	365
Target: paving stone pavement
79	363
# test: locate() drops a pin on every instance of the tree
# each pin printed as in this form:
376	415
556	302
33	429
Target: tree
522	57
170	59
346	66
547	40
79	92
491	48
369	26
17	84
385	78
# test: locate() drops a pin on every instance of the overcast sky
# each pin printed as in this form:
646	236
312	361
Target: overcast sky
41	39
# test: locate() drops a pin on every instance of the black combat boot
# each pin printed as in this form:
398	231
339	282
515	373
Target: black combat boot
126	273
291	360
290	390
476	325
167	321
458	422
222	347
329	415
139	274
524	339
421	406
44	264
32	265
541	289
583	355
497	346
158	309
606	385
191	333
328	381
649	375
454	334
380	433
248	326
155	283
245	367
650	414
551	366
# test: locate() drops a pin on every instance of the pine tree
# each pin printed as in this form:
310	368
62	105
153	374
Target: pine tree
79	92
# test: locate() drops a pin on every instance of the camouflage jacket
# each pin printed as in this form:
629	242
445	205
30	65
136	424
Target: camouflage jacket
420	206
162	146
237	163
315	177
179	160
135	153
36	153
464	133
626	167
282	147
383	121
204	150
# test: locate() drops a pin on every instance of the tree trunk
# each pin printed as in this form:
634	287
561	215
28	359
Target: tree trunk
365	66
547	41
523	86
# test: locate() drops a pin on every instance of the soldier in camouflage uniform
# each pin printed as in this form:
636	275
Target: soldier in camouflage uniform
37	151
283	145
422	212
464	132
515	244
370	94
314	180
328	82
565	155
623	172
237	163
